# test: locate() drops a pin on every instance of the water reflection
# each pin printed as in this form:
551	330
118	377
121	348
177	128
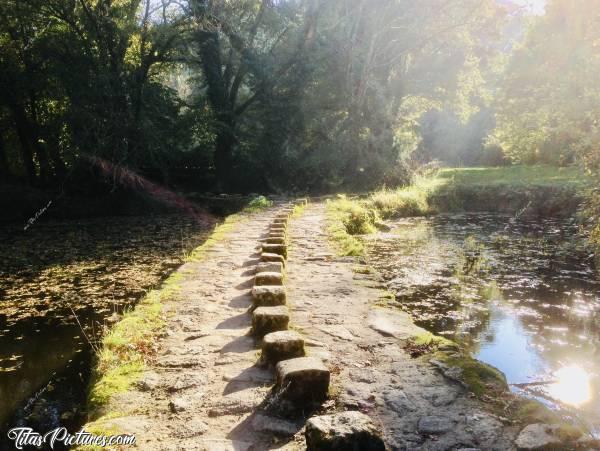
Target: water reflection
521	295
64	276
572	386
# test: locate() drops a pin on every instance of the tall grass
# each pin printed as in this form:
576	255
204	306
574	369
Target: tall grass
445	188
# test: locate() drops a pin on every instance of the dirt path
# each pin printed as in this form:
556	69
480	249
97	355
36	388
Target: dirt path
205	390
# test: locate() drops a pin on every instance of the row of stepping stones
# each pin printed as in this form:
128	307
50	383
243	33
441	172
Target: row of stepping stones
301	382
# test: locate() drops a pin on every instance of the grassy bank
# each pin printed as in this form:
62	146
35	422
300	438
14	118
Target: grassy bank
529	190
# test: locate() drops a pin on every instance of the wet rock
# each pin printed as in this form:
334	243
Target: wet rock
268	278
434	425
149	381
268	295
269	257
273	425
279	249
269	319
302	380
540	436
269	267
343	431
282	345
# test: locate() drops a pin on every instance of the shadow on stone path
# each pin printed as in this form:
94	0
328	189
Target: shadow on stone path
205	391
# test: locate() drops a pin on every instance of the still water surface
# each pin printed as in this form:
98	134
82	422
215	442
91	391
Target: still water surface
61	284
521	294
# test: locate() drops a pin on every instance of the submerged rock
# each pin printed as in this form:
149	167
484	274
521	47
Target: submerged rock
343	431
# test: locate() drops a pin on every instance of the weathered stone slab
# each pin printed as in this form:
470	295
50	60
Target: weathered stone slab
279	221
269	319
302	380
268	257
434	424
269	267
268	295
343	431
268	278
280	249
540	436
282	345
275	240
278	231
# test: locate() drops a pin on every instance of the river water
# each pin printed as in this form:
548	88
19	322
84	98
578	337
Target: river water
520	294
61	284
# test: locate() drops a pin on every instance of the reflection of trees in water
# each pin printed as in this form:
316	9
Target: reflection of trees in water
537	268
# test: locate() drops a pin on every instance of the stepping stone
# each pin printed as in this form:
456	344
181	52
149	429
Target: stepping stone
268	278
267	257
283	215
302	201
302	380
280	249
341	431
276	235
277	230
269	319
275	240
269	267
282	345
279	221
268	295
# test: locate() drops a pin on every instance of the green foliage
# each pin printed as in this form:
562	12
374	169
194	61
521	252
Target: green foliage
547	105
452	189
259	203
338	213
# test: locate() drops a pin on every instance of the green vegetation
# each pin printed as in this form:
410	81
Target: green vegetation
477	376
510	189
515	176
127	346
259	203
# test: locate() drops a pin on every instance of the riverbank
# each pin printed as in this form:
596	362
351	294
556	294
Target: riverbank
62	284
523	190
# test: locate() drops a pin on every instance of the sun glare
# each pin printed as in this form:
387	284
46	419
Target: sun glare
572	386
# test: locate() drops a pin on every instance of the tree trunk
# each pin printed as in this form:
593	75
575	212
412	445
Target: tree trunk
26	148
224	145
4	171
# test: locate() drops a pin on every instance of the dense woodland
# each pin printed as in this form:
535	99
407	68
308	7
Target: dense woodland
291	95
